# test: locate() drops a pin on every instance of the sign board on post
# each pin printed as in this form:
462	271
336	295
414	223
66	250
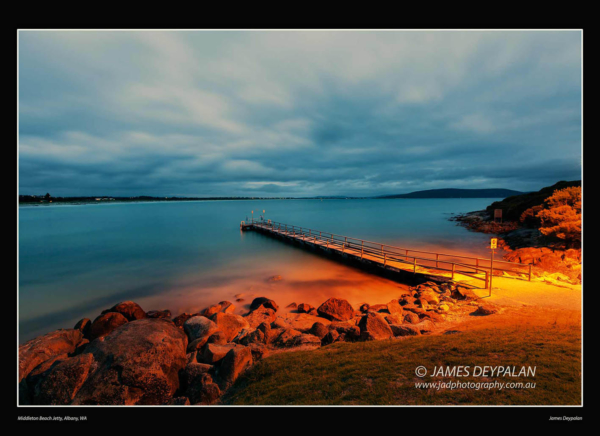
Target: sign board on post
498	214
494	243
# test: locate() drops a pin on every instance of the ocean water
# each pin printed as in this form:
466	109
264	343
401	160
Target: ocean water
75	261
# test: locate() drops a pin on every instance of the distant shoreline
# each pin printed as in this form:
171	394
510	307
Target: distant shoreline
81	202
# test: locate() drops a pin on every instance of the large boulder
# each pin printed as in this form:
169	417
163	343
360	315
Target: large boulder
330	337
301	321
218	338
394	308
42	348
259	336
336	309
84	326
105	324
486	309
319	330
199	328
62	381
203	390
223	306
197	384
429	295
306	340
138	363
349	329
425	326
260	315
373	326
234	363
464	293
180	320
230	324
394	318
287	338
411	318
213	354
273	334
128	309
254	337
265	302
405	330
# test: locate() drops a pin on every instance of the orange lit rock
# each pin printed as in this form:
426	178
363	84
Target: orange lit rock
130	310
486	309
234	363
260	315
395	308
319	329
214	353
304	308
373	326
411	318
230	324
138	363
264	302
166	314
405	330
336	309
63	381
199	329
105	324
287	338
84	325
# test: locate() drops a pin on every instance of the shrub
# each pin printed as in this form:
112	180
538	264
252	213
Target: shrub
530	218
562	216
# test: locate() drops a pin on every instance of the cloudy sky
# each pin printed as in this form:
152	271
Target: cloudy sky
296	113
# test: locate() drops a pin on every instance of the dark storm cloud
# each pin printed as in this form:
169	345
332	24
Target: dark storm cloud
296	113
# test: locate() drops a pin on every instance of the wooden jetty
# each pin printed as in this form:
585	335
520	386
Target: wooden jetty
391	260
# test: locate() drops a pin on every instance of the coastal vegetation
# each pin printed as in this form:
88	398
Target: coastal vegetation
542	228
514	206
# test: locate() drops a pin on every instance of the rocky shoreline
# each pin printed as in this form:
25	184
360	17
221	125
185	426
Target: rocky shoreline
127	356
526	245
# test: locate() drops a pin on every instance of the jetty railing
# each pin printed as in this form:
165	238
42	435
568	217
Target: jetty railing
476	267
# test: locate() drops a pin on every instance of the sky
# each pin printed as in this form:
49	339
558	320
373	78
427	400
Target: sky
296	113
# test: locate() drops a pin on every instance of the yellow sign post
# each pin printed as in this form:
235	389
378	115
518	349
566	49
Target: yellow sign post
494	243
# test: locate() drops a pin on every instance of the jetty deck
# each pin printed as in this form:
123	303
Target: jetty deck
391	260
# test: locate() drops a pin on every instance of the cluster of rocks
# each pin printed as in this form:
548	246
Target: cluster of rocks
524	245
548	262
480	221
129	356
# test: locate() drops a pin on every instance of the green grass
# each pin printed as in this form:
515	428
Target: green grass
383	372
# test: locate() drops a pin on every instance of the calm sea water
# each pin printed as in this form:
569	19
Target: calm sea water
75	261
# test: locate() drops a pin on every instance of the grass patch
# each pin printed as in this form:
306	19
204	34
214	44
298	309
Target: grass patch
383	372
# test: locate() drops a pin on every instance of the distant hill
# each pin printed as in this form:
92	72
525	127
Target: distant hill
512	207
457	193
